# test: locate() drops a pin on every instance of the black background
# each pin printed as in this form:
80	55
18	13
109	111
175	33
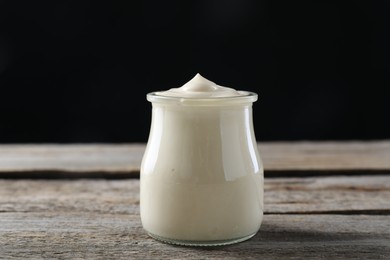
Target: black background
79	71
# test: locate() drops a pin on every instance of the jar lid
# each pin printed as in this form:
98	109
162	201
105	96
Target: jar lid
201	91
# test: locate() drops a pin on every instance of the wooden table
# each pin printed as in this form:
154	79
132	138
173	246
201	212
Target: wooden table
322	200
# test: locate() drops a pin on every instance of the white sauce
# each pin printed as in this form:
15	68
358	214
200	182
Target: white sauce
200	87
201	175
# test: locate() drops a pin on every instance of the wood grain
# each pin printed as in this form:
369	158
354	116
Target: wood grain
374	155
64	235
324	216
122	161
362	194
99	219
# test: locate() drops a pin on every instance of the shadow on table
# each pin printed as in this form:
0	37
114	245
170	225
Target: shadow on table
274	241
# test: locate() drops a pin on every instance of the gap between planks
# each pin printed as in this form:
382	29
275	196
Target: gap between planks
63	174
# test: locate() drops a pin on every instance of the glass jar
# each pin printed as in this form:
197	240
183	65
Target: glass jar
201	174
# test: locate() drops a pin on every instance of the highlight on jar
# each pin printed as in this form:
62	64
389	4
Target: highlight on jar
201	181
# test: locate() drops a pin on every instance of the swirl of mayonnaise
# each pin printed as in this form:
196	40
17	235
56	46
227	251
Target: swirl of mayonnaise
200	87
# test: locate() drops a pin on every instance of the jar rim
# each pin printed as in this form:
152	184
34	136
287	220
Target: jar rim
245	97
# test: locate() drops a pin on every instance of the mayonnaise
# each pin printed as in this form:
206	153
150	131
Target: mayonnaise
199	87
201	175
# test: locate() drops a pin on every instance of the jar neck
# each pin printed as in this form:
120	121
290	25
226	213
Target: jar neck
245	98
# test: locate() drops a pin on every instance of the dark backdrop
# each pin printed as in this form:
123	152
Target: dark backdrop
78	71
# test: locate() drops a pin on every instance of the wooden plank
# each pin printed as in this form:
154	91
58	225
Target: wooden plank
325	195
100	219
328	195
64	235
374	155
71	158
123	160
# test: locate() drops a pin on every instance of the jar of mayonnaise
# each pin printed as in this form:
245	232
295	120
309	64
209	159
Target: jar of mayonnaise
201	174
